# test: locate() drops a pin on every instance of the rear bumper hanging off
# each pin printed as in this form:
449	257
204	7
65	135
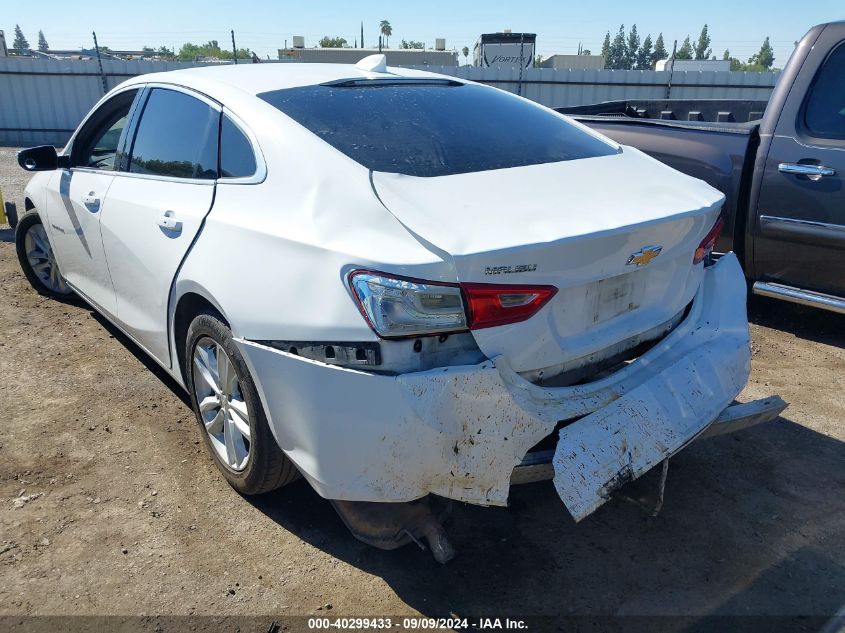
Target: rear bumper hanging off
459	432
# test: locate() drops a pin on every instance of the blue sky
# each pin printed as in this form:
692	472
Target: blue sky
264	25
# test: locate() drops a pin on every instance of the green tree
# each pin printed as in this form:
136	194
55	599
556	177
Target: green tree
210	49
659	50
618	50
765	57
332	42
43	46
632	45
586	51
386	30
465	51
644	55
685	52
702	46
605	50
411	44
20	40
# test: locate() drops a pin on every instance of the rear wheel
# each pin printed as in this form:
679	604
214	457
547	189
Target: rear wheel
35	254
229	411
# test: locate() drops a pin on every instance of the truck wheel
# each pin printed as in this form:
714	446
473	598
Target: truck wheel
35	254
229	411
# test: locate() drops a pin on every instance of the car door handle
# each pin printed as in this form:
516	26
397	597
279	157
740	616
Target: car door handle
813	172
170	222
91	201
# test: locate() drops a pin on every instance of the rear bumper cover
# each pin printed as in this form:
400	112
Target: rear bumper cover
459	432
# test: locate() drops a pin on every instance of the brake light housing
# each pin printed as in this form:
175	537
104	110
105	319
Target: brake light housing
403	307
706	247
491	305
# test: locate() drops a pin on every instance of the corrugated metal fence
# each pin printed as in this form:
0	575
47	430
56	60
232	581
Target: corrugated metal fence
558	88
43	100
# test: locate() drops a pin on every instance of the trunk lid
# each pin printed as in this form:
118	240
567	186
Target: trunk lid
575	225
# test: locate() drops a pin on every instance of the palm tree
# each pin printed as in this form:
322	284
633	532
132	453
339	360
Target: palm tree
387	31
465	51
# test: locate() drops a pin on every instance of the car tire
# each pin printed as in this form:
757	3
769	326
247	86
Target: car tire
35	254
226	404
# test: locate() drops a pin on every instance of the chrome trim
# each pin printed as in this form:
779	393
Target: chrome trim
216	105
184	181
813	172
799	296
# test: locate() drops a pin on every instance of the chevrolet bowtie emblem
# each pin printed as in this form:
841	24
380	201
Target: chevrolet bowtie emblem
644	255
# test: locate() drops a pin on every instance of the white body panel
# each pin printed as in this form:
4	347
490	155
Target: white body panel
78	200
273	255
569	237
144	256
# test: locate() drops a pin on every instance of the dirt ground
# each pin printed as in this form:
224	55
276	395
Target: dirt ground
109	505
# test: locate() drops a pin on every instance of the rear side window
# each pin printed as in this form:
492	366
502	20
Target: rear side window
237	159
825	113
434	128
177	137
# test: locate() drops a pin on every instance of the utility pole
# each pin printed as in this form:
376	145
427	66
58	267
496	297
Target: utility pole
362	33
671	69
100	63
234	48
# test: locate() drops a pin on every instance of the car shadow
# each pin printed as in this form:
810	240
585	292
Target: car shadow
751	525
140	354
821	326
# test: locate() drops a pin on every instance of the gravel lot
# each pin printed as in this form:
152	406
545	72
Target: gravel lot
110	506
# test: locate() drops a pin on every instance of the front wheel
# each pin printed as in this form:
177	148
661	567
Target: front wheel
229	411
35	254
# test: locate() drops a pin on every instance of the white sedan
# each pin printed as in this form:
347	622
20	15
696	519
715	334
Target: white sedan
396	283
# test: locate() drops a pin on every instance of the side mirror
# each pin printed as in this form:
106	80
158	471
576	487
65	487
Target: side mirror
42	158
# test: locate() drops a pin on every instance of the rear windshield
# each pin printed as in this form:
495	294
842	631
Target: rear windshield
434	128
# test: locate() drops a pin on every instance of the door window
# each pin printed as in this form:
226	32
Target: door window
825	112
96	146
237	159
177	137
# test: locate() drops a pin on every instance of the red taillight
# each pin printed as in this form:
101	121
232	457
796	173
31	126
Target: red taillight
489	305
706	247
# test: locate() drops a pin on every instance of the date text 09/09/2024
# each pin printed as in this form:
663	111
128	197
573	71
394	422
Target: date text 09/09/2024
417	623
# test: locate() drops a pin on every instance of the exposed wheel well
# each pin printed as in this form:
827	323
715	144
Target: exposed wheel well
190	305
27	204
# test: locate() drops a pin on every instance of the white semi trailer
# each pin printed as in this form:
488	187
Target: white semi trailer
505	50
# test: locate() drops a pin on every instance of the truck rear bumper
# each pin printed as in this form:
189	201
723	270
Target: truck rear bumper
459	432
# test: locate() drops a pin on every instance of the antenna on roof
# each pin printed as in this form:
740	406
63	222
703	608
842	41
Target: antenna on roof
373	64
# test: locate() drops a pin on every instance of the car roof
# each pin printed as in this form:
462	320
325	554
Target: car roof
219	81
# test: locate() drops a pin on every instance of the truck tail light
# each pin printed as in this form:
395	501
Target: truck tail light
490	305
706	247
397	307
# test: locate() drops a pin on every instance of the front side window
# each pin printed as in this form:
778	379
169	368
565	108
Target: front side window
825	112
237	159
434	128
176	137
96	146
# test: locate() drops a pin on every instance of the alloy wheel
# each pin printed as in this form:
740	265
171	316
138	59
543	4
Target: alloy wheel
39	254
221	404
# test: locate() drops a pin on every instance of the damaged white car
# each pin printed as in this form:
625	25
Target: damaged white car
401	285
